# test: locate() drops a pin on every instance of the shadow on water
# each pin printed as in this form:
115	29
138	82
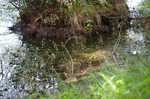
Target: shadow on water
26	68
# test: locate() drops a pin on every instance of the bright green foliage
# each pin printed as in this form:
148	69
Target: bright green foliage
130	83
145	7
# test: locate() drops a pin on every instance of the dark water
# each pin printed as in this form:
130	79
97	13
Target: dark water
24	68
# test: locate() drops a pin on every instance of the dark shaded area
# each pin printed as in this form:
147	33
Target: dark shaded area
57	20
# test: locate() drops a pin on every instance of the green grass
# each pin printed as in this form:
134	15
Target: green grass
132	81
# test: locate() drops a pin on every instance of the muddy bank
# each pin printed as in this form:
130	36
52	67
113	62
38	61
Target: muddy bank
63	19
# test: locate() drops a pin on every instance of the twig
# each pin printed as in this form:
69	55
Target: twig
72	66
70	38
18	8
117	44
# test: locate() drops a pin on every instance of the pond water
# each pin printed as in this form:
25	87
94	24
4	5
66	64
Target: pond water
23	66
